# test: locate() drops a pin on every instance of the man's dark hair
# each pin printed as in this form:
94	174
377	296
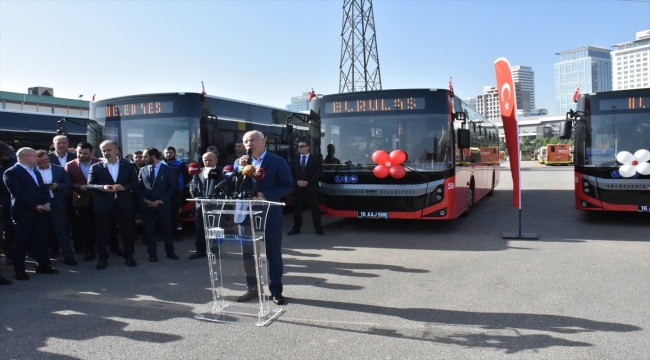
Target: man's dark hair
152	151
138	152
170	148
40	153
85	146
304	140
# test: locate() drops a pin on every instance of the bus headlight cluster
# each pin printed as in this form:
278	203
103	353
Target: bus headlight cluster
439	194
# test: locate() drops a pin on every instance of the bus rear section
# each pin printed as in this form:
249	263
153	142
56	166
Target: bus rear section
393	155
541	155
558	154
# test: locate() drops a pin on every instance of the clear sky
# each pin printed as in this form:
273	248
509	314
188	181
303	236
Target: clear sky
268	51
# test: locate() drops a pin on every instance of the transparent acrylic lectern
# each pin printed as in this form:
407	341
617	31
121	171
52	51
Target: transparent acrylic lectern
236	250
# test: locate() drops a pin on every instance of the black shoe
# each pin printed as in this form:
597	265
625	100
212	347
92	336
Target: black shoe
117	251
131	263
153	258
197	255
70	261
172	256
320	232
102	264
294	232
21	275
278	299
90	257
46	269
250	295
4	281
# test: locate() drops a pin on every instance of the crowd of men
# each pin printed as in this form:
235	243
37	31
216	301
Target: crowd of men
71	202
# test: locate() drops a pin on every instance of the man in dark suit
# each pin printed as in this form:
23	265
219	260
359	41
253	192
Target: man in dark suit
7	160
198	190
306	170
61	156
277	183
157	186
113	181
82	197
29	199
57	182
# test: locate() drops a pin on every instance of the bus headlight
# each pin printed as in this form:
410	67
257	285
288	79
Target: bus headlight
585	184
438	197
586	190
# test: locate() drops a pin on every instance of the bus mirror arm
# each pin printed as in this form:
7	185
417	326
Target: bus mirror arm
61	131
572	118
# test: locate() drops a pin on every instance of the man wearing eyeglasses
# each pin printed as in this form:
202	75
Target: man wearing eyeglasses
306	170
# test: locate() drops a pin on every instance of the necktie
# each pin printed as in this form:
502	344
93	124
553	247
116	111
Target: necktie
302	163
153	175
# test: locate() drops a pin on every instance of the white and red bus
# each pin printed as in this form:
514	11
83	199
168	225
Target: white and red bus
404	154
612	143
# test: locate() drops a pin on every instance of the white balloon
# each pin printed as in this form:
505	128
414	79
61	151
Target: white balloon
627	170
625	157
642	155
643	169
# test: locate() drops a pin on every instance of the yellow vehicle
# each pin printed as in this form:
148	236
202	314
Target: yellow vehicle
541	155
558	154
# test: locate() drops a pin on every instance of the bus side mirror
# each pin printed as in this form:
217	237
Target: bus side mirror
287	131
565	130
463	138
315	115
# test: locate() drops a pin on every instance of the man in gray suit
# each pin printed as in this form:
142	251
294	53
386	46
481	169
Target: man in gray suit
57	182
157	186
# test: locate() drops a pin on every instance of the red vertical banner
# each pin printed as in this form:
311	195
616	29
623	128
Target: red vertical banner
508	106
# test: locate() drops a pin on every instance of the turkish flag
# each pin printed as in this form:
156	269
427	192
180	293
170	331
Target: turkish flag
312	95
576	94
508	106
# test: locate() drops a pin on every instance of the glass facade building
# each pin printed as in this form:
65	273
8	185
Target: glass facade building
588	67
630	63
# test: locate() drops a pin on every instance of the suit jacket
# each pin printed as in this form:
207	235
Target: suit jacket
79	198
25	194
54	158
313	171
198	185
61	178
100	176
164	186
277	183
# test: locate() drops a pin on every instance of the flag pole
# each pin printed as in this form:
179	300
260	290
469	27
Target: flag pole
508	107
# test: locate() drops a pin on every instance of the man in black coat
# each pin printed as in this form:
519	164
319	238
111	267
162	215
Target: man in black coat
113	181
306	170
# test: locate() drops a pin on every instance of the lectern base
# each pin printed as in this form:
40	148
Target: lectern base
240	315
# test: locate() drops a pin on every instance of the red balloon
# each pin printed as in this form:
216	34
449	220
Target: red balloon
397	157
397	171
380	171
380	157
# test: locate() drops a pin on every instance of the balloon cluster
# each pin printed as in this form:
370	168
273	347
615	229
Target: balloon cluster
389	164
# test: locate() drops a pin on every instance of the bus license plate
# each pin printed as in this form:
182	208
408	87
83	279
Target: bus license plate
643	208
372	214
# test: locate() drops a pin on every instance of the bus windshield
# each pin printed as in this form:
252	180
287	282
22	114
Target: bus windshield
353	139
611	134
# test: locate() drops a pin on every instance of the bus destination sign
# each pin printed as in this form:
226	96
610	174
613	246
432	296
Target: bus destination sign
377	104
625	103
135	109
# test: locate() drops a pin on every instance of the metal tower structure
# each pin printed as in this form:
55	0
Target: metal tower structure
359	69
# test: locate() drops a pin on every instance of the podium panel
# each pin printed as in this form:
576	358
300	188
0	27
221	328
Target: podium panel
236	249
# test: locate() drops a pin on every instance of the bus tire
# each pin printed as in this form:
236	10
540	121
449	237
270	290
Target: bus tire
470	201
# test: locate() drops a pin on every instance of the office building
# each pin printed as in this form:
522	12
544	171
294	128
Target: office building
487	104
630	63
524	79
588	67
300	103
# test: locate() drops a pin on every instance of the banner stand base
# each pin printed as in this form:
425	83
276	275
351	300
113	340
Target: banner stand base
521	236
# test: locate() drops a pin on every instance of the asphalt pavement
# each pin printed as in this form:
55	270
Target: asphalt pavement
372	289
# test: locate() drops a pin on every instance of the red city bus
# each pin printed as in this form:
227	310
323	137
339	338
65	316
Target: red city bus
612	143
404	154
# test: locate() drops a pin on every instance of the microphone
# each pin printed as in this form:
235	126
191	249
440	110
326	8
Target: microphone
258	175
194	168
213	175
245	186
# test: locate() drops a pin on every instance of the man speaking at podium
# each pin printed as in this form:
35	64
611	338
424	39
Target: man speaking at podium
277	182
